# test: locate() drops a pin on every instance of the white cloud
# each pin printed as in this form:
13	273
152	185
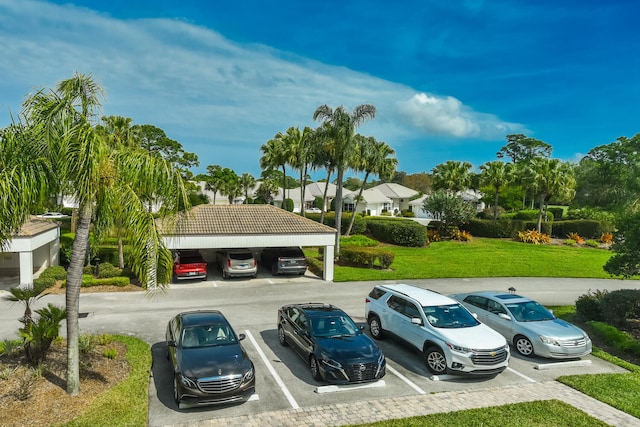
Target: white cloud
447	116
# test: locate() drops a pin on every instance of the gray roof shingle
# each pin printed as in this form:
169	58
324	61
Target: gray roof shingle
242	220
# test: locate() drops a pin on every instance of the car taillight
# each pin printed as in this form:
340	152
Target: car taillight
255	262
229	263
367	300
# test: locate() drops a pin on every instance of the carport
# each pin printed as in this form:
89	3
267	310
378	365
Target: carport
248	226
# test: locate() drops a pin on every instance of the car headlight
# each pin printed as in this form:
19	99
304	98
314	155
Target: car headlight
188	382
458	348
548	340
327	360
381	359
248	376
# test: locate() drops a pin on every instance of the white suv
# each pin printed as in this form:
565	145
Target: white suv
450	337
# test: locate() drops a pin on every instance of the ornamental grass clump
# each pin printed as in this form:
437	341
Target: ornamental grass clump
575	237
533	237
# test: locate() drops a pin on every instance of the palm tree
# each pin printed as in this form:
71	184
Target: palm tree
323	148
101	174
497	175
341	131
298	146
549	178
247	182
214	180
371	157
276	154
231	187
452	176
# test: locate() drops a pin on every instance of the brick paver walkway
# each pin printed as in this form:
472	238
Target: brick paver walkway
402	407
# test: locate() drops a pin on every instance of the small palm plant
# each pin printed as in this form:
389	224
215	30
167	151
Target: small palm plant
40	333
27	296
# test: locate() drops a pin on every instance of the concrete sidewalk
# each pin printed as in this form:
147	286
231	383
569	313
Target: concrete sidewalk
409	406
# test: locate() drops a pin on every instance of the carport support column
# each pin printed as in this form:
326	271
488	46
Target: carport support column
26	270
329	252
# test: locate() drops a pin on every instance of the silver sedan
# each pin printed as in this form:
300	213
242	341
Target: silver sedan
527	325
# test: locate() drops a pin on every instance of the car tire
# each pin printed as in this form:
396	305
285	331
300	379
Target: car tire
174	278
281	337
224	274
375	328
315	368
435	360
523	345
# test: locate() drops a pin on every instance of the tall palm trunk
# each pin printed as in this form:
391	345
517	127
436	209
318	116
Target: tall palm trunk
339	209
324	196
284	183
120	246
74	281
355	207
540	210
495	206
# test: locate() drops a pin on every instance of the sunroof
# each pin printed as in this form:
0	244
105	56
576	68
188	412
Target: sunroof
508	296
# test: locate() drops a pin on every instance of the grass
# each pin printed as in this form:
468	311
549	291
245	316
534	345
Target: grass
483	257
127	403
548	413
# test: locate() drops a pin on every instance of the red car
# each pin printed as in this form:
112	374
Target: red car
189	264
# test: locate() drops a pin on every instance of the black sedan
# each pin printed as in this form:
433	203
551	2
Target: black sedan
210	365
331	343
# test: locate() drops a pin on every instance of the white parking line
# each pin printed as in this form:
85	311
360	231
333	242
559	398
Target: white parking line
521	375
405	379
334	388
275	375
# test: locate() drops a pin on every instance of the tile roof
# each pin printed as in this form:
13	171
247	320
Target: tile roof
242	220
36	226
396	191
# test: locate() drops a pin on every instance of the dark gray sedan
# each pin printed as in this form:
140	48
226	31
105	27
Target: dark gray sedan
527	325
210	366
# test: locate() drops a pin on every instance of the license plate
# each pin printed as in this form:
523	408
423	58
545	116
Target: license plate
243	265
192	273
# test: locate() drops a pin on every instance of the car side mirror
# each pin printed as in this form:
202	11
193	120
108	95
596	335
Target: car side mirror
171	343
241	337
475	315
504	316
416	321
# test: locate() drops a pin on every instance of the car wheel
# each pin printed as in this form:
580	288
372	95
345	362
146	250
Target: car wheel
435	360
174	278
176	397
224	275
315	369
523	345
375	327
281	337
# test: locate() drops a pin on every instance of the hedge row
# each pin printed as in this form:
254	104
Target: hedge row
367	257
615	307
503	228
49	276
401	232
586	228
359	224
88	281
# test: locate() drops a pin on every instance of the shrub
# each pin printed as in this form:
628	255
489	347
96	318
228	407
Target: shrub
606	238
576	238
533	236
433	235
501	228
557	212
569	242
39	334
620	305
288	205
107	270
592	243
358	240
620	340
401	232
88	280
367	257
462	236
10	347
86	343
110	353
588	305
407	214
359	224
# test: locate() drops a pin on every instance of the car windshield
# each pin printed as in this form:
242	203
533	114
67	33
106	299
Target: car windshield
241	256
449	316
207	335
529	311
333	326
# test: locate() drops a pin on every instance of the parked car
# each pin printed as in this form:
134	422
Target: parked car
284	260
527	325
237	263
313	210
209	364
331	343
450	338
189	264
52	215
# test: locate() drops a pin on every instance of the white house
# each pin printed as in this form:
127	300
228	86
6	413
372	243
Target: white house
399	195
373	202
468	195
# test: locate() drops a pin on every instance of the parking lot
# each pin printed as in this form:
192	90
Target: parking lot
283	380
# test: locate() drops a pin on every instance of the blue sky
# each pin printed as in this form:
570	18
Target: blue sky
449	79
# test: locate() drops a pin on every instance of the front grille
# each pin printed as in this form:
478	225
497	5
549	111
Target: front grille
489	357
361	371
576	342
222	384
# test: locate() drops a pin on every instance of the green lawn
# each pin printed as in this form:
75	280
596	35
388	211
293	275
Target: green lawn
483	258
